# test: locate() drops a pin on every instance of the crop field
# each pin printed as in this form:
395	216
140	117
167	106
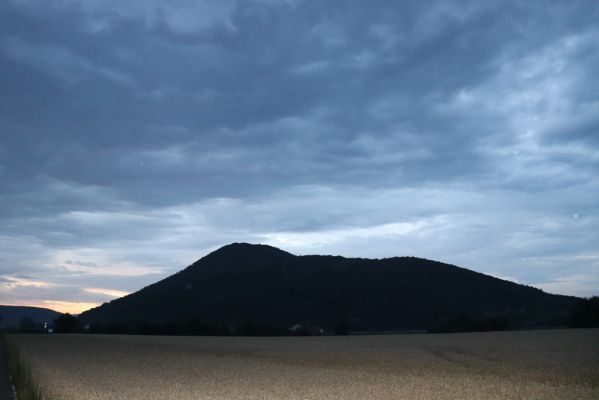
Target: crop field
549	364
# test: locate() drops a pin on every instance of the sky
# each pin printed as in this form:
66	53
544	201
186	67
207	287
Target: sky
137	136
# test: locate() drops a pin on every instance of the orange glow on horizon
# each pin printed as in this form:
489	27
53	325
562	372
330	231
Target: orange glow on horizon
70	307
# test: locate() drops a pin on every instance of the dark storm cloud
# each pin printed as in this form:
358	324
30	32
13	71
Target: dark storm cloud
135	122
102	98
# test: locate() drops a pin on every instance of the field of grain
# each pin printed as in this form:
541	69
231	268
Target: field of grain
552	364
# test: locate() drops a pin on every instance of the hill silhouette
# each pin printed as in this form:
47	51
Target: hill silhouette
13	317
245	283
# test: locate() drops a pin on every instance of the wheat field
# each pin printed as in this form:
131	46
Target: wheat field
543	364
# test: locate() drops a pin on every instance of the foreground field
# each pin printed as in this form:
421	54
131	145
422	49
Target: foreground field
555	364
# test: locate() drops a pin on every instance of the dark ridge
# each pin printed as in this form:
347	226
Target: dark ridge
264	287
13	317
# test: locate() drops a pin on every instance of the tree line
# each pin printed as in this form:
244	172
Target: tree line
584	314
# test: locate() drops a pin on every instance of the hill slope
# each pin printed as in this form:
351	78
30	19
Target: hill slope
241	282
11	316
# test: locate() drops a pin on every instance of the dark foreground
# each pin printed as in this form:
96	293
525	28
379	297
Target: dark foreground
5	386
551	364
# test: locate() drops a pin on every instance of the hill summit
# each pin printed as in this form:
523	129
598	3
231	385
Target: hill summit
244	282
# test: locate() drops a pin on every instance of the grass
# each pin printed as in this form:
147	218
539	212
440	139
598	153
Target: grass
20	373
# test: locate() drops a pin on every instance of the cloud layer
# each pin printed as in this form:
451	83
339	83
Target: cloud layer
137	136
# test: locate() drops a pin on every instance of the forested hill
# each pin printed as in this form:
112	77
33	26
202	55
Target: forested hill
15	316
244	282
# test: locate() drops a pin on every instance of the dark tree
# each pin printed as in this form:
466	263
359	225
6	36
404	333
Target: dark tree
252	328
471	323
585	313
66	323
199	327
27	325
302	331
342	328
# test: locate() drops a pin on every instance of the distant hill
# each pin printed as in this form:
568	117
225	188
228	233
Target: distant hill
11	316
244	282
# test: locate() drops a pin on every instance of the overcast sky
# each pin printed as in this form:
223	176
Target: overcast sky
137	136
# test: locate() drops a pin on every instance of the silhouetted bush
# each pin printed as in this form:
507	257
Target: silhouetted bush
67	323
195	327
585	313
252	328
342	328
28	326
302	331
199	327
470	323
96	328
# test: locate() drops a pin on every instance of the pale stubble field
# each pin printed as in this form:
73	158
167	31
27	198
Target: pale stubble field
543	364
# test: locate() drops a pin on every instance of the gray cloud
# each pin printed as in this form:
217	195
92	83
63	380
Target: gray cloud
147	133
